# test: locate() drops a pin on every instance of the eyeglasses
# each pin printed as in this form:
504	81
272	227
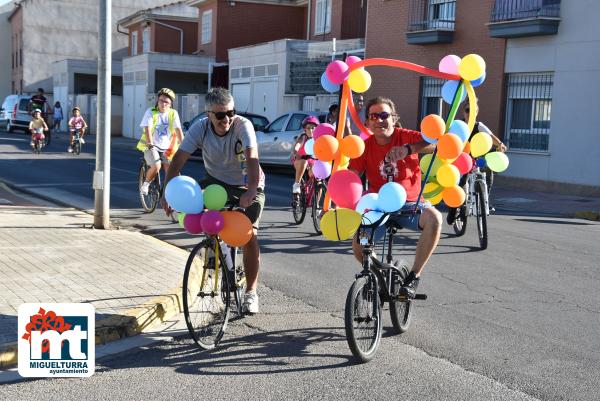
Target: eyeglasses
165	101
384	115
221	114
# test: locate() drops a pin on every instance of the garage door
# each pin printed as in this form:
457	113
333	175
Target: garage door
241	96
264	98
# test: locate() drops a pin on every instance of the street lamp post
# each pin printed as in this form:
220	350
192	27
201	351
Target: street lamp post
101	183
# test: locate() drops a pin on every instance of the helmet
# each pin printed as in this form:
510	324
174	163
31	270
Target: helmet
76	108
36	111
167	92
310	120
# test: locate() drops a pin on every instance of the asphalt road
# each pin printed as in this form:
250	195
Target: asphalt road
517	321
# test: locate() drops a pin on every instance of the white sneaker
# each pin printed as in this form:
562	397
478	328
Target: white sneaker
70	150
296	188
32	144
81	141
251	302
144	189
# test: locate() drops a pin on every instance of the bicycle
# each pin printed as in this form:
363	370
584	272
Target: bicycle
155	191
38	141
77	141
207	291
476	204
312	195
376	284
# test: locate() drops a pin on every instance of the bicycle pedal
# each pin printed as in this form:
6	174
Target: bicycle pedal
421	297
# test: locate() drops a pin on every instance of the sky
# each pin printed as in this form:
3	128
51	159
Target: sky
3	2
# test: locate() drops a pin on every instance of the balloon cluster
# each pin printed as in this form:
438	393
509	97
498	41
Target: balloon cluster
456	152
200	211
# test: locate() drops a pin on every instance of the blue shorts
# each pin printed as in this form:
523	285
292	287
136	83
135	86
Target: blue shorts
407	221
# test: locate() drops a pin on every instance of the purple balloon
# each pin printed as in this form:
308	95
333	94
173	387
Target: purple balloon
212	222
191	223
337	72
321	169
323	129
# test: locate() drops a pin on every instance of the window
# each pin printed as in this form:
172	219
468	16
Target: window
277	125
441	14
134	43
206	34
431	97
295	123
146	40
529	107
323	17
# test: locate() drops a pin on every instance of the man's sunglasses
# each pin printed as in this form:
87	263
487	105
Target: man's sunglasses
221	114
384	115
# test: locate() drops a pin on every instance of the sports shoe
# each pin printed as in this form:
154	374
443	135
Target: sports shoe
251	302
144	188
81	141
409	289
451	217
296	188
70	149
31	143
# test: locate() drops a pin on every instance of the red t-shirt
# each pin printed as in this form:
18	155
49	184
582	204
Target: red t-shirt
406	172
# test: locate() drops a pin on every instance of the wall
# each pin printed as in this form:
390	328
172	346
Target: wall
210	48
17	32
386	37
167	40
574	56
5	53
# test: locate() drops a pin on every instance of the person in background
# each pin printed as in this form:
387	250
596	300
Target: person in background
332	118
299	158
359	103
76	123
57	117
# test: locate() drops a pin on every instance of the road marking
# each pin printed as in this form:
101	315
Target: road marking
74	184
5	202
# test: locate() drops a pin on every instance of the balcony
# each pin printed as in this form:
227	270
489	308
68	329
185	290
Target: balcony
521	18
431	21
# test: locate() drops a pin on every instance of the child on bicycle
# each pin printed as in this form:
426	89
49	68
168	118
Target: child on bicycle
299	157
76	123
37	126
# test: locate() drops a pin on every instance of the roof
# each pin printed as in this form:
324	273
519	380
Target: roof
177	11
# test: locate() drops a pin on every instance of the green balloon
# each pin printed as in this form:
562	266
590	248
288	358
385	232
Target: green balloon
497	161
180	217
215	197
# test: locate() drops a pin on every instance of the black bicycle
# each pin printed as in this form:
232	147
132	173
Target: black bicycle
77	141
150	200
214	282
477	205
312	195
378	282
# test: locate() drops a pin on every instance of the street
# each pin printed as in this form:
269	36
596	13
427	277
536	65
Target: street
519	320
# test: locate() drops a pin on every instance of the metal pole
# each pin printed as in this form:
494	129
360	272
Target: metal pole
102	173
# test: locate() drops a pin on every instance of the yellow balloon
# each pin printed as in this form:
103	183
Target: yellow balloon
471	67
448	175
432	189
424	163
359	81
481	143
436	199
340	224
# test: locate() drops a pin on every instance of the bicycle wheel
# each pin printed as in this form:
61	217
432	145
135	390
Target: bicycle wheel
206	296
480	197
37	147
400	311
299	204
76	147
317	206
239	279
146	200
460	223
362	318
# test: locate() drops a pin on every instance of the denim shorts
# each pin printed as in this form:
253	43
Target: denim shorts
407	221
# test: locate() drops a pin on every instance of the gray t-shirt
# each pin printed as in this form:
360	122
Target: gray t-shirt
224	157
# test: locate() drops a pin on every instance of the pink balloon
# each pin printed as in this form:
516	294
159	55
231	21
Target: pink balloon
464	163
337	72
352	59
345	188
449	64
321	169
323	129
212	222
191	223
364	136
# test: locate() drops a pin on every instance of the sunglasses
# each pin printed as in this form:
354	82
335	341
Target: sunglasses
221	114
384	115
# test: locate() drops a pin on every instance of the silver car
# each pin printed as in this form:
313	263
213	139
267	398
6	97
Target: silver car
14	113
276	141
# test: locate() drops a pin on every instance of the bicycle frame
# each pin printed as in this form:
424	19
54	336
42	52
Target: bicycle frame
476	176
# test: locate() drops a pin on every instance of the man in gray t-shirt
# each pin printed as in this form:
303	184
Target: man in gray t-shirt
230	154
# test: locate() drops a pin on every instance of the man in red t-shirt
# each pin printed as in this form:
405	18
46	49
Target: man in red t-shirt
391	154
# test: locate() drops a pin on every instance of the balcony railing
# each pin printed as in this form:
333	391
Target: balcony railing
506	10
520	18
431	21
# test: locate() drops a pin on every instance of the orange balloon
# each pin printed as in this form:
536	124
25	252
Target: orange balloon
352	146
449	146
453	196
237	228
467	148
433	126
326	147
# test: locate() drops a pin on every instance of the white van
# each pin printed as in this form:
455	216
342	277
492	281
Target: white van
14	113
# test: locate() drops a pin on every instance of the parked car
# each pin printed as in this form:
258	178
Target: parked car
14	113
259	122
276	141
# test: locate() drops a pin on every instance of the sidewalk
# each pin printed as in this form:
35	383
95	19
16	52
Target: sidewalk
51	254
